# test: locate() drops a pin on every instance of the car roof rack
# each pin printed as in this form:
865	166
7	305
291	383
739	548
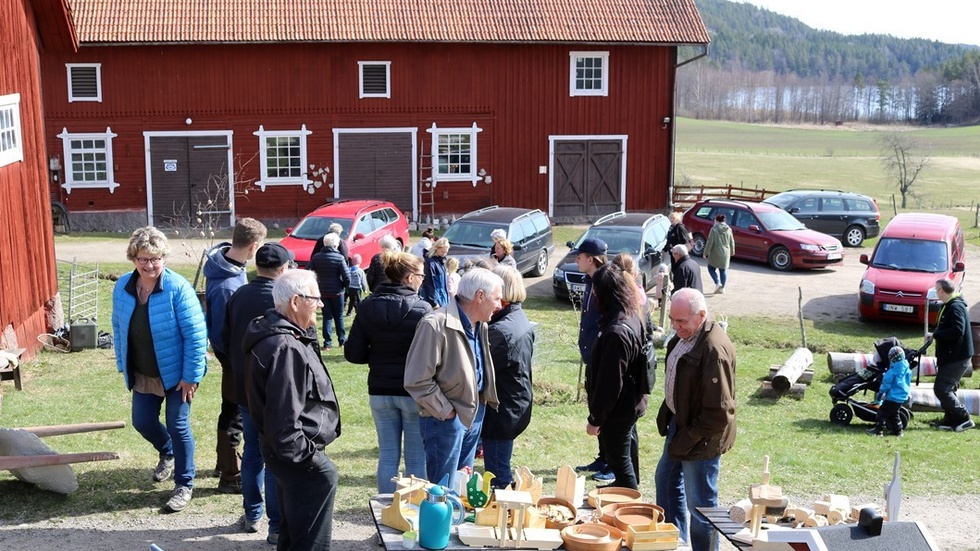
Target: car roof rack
480	211
608	217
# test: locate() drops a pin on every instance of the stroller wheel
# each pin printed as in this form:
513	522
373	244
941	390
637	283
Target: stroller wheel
841	414
905	415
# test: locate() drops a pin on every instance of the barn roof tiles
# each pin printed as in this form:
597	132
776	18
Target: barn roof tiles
236	21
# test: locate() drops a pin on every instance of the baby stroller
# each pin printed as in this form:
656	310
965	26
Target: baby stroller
868	380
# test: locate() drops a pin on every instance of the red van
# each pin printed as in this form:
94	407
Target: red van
914	251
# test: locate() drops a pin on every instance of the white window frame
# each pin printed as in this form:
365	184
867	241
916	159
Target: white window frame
266	180
11	138
472	176
70	181
573	89
98	82
360	79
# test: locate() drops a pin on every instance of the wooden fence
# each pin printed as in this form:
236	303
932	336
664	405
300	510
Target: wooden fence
685	196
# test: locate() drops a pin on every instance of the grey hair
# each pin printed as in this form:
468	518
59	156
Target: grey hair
147	240
331	241
674	217
680	249
946	285
498	234
335	228
388	243
290	284
694	299
478	279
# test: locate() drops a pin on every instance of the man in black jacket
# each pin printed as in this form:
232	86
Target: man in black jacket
292	401
333	276
954	354
247	303
686	271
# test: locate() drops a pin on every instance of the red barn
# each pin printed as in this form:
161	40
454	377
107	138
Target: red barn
29	303
265	108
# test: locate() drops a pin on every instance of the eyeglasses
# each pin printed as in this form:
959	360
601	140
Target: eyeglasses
144	261
310	297
422	275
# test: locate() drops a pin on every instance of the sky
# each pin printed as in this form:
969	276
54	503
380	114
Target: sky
951	21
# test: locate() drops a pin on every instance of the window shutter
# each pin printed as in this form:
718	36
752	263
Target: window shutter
85	82
375	79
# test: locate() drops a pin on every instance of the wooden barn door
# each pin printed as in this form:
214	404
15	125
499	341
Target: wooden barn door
376	165
189	185
588	178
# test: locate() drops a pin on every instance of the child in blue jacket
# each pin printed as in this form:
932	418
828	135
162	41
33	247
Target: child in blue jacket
894	391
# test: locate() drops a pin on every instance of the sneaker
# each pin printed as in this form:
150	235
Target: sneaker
233	487
164	469
272	538
968	424
943	423
179	499
898	434
874	432
250	526
604	476
720	290
598	464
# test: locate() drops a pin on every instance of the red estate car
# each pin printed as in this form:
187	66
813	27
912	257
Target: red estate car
914	251
365	222
765	233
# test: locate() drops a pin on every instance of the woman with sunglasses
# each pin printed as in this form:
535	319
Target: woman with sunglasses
380	337
160	343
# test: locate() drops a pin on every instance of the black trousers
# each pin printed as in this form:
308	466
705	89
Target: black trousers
947	383
306	497
621	446
229	426
888	417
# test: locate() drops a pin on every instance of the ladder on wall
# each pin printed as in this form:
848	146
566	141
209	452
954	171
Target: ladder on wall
427	189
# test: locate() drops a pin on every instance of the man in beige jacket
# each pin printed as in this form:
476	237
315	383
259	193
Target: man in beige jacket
449	373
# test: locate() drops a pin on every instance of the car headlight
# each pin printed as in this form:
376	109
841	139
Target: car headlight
931	295
559	273
809	247
867	287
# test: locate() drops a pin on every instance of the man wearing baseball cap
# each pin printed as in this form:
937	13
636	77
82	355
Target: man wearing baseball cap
590	255
247	303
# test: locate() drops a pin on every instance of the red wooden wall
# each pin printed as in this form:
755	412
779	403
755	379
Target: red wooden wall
28	276
518	94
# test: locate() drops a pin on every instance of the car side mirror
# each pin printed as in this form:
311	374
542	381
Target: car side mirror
865	260
959	267
289	231
793	210
754	228
570	244
358	236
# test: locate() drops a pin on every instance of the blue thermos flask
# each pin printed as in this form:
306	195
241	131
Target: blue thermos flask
435	519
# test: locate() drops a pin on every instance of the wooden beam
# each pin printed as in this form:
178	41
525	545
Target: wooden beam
57	430
11	462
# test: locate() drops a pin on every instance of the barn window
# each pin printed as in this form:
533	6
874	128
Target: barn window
589	74
283	157
84	81
375	79
11	147
88	160
454	154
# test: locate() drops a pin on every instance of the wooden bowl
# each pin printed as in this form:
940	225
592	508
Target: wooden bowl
608	511
612	494
639	515
592	537
556	505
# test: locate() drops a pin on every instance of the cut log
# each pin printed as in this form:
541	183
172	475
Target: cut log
805	378
787	375
57	430
845	363
768	391
8	462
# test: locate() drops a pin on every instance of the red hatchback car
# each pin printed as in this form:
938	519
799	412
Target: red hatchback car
365	222
765	233
914	251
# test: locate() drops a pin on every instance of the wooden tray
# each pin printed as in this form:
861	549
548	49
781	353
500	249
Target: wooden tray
592	537
612	494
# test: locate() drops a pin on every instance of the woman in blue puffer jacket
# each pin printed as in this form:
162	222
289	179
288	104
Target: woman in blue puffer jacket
160	340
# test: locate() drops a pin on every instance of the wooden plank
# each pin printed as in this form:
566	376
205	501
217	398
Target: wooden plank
10	462
57	430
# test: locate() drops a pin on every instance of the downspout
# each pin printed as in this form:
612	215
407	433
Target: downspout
673	126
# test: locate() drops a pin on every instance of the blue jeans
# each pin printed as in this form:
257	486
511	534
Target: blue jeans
449	446
496	459
255	476
175	439
684	485
333	313
395	417
721	277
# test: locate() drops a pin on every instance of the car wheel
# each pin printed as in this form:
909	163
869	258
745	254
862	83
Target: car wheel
540	265
841	414
854	236
780	259
699	242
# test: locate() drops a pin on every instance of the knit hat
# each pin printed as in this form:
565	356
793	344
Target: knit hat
896	354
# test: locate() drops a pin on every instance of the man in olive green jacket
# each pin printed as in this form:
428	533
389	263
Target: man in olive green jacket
449	373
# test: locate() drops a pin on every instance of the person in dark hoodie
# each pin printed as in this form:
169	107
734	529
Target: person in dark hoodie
247	303
225	272
292	401
334	276
954	351
380	337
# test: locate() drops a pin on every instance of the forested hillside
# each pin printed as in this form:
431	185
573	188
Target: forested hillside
766	67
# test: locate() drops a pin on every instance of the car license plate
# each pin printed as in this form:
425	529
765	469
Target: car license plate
898	308
833	256
576	288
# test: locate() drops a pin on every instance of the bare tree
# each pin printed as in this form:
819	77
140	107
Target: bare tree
898	155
